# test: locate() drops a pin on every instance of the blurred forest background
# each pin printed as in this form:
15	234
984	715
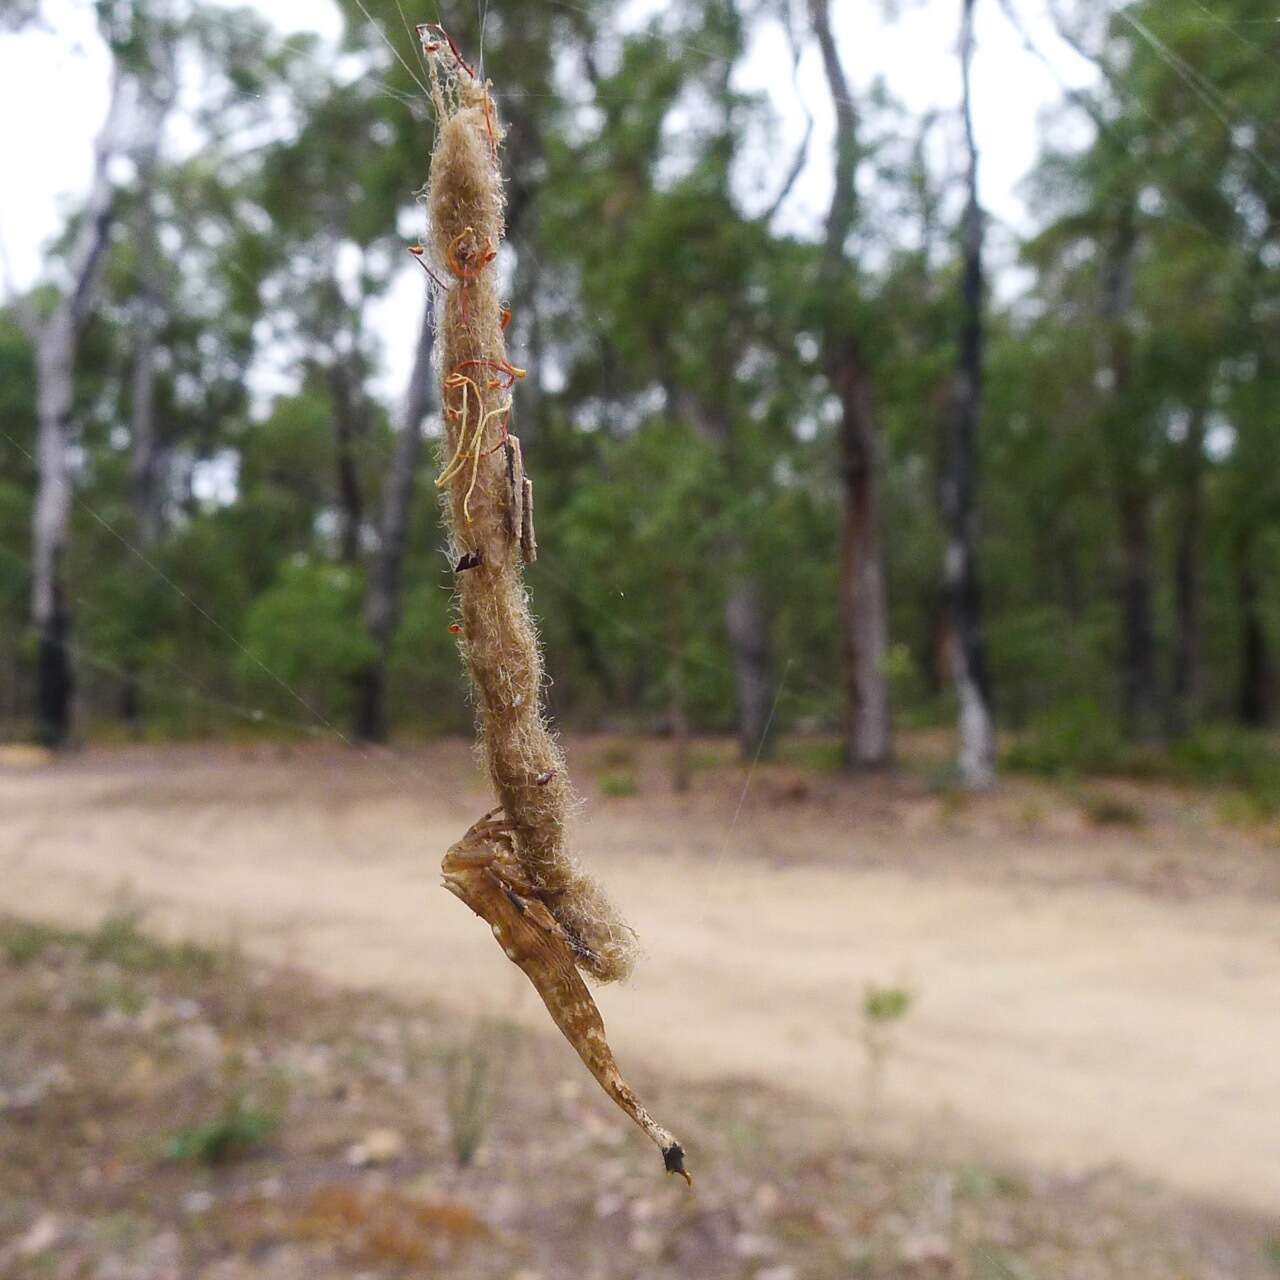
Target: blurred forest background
845	476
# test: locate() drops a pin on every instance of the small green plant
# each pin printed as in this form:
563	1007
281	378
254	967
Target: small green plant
618	782
821	755
1272	1248
238	1128
1073	738
883	1008
23	941
113	993
703	758
474	1079
121	940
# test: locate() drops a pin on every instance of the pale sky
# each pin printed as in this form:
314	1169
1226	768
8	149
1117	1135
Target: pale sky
53	89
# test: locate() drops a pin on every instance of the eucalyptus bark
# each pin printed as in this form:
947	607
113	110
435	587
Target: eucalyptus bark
961	586
747	624
1138	681
1253	699
1187	586
677	696
863	602
144	450
347	395
148	315
56	338
746	612
384	582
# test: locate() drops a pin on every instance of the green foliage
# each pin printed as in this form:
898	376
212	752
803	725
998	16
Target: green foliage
23	941
1247	762
819	754
678	421
617	783
116	994
1074	738
884	1005
118	939
239	1128
303	639
474	1078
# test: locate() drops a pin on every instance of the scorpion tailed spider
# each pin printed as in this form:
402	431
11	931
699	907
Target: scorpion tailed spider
484	871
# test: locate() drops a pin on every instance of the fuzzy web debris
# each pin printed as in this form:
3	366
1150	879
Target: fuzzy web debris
488	501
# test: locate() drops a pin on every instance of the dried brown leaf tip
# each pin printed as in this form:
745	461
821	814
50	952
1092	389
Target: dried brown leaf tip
485	871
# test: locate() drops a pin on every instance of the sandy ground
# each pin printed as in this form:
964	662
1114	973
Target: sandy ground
1083	998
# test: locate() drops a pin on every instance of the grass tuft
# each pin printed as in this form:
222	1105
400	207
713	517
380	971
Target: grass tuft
617	783
239	1128
23	941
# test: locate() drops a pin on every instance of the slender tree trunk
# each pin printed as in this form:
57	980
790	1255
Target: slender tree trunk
1065	544
51	619
383	589
747	624
863	606
56	338
863	599
348	424
676	693
1139	673
144	445
1255	661
746	614
144	451
959	484
1186	579
1138	681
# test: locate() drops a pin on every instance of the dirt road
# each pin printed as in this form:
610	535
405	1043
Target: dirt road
1061	1021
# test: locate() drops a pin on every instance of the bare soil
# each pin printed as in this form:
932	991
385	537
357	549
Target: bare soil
1095	988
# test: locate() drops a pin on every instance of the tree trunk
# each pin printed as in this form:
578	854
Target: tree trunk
1139	671
144	447
51	619
959	483
747	623
862	603
1138	682
863	599
348	423
1186	580
383	587
56	339
678	714
746	615
1255	663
